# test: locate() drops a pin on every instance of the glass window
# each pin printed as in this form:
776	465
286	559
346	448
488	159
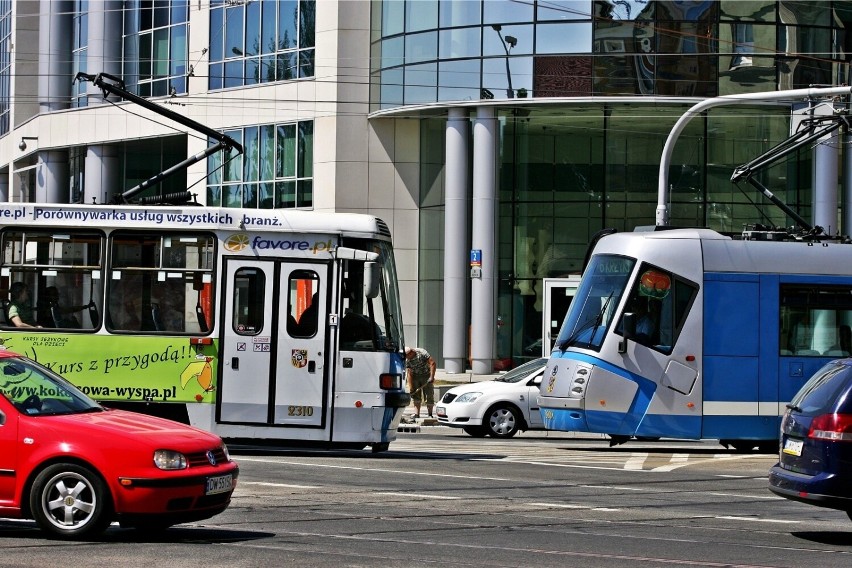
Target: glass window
747	10
307	23
659	303
677	10
512	82
460	42
421	15
562	76
564	10
288	34
575	37
264	41
268	26
624	9
234	28
458	80
591	313
248	301
805	12
271	152
393	18
392	52
421	83
303	303
305	166
391	87
501	12
454	13
816	320
52	280
824	390
516	40
160	283
421	47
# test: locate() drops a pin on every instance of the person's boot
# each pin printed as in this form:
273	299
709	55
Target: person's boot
429	410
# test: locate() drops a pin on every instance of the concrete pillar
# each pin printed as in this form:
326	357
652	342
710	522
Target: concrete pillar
483	290
825	184
54	61
52	177
456	272
102	174
104	52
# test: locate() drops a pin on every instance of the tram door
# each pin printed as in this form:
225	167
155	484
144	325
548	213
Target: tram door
273	367
558	293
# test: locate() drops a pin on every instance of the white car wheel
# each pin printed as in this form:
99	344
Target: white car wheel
503	422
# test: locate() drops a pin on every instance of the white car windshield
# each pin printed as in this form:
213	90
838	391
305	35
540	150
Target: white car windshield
522	372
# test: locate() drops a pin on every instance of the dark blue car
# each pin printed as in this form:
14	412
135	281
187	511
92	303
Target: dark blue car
815	464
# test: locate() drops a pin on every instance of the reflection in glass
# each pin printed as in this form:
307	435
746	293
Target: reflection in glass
458	80
392	51
502	12
562	76
677	10
617	75
617	37
391	87
686	75
420	83
624	10
804	12
747	10
460	42
574	37
455	13
564	10
421	47
393	18
421	15
495	77
493	45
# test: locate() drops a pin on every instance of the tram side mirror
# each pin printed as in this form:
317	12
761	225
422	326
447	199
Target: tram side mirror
372	278
628	324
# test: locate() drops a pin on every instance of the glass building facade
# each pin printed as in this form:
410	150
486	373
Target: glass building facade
586	93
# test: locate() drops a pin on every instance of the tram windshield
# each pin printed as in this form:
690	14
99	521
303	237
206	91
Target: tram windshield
371	323
594	305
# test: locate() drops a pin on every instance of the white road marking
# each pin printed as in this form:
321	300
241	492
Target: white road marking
754	519
570	506
636	461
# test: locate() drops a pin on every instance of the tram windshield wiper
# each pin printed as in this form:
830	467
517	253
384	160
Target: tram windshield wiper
593	323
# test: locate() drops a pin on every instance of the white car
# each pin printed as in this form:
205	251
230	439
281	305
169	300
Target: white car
497	408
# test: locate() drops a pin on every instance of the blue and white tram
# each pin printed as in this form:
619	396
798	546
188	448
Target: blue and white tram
687	333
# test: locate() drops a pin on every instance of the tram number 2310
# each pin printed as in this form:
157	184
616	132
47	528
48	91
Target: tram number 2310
300	410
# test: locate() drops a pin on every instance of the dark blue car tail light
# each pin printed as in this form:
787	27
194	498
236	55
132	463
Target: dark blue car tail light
832	427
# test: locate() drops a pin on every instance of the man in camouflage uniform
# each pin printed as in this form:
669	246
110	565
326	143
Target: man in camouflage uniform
420	373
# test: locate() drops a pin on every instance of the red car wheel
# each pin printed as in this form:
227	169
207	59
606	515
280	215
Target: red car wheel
70	501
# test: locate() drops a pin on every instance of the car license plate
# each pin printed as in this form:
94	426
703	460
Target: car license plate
219	484
441	411
792	447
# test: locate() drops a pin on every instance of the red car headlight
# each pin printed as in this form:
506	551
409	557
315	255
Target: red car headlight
169	459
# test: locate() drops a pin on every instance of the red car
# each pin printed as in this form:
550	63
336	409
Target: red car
75	466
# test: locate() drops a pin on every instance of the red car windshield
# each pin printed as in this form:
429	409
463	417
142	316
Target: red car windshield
37	391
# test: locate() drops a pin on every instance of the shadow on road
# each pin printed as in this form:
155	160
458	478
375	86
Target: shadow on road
840	538
177	534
